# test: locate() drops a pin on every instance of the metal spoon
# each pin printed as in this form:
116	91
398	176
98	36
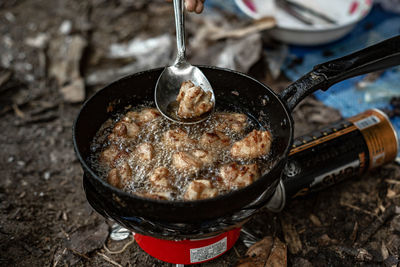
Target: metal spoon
170	80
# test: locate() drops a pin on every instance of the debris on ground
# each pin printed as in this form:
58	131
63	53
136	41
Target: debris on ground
291	236
240	54
267	252
142	54
65	65
88	238
256	26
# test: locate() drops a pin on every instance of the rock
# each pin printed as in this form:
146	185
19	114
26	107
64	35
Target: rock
65	55
40	41
65	27
88	238
74	92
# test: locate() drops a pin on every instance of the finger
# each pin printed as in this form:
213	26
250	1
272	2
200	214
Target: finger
190	5
199	7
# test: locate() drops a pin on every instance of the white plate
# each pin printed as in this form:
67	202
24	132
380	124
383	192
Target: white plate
290	30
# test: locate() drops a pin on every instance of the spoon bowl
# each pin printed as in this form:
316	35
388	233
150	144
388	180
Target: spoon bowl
171	79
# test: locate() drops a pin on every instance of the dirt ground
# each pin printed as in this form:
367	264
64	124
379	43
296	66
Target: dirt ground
44	217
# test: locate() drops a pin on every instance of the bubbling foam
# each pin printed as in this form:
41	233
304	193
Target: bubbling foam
152	132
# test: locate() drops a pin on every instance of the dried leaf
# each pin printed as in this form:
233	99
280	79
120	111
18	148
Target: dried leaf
325	240
353	235
261	248
314	219
267	252
278	256
257	255
257	26
88	238
363	255
291	237
384	251
390	193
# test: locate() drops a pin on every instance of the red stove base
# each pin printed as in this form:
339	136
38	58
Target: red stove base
188	251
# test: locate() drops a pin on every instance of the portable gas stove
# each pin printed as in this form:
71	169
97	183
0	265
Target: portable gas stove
185	243
317	160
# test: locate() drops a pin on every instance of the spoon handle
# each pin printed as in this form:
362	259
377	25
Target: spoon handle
180	31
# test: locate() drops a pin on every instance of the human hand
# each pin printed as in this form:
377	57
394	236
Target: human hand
193	5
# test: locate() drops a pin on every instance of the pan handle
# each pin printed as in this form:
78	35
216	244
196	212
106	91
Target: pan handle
377	57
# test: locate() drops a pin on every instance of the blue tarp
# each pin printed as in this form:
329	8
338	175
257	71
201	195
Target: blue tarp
344	96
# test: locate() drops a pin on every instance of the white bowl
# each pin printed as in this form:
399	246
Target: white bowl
292	31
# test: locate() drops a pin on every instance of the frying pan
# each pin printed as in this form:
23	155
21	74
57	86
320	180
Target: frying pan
233	91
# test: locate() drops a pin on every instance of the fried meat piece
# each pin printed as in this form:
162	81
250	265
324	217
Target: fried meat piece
255	144
183	161
235	122
214	140
147	115
144	116
200	189
204	156
145	151
161	178
177	138
123	130
193	101
192	161
235	176
120	175
112	155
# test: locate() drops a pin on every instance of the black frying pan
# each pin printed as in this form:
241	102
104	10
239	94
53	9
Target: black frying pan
254	98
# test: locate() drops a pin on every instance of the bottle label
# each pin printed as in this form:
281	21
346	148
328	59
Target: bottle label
379	135
367	122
